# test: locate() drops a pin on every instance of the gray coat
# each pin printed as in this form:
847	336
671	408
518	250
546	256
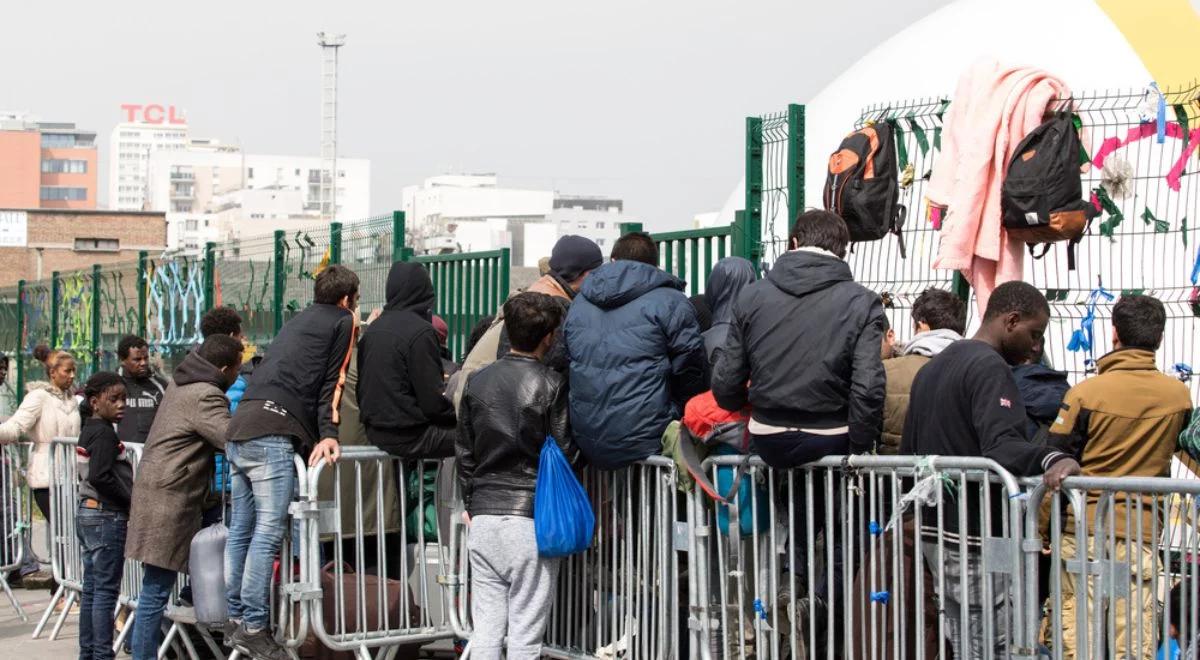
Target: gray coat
176	466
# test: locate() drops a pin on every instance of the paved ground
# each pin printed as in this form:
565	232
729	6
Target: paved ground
15	635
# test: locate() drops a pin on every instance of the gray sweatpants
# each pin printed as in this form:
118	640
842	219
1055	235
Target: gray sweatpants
512	588
954	568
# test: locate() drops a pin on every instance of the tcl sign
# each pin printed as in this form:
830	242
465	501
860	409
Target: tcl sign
152	114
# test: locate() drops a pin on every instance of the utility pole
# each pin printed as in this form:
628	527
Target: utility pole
330	44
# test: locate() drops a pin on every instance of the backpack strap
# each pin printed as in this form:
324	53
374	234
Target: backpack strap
687	451
898	226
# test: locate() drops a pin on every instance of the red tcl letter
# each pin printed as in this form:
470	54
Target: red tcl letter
130	111
153	114
173	118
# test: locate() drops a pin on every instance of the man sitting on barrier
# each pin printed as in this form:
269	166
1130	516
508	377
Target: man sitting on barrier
508	411
1123	422
636	355
965	402
290	407
400	372
804	352
173	478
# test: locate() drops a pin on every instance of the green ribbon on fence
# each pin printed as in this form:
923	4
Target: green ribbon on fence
1115	217
918	133
1160	226
901	150
1183	230
1181	116
937	131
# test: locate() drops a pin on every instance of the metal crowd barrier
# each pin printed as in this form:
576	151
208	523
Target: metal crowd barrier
621	597
835	559
66	560
13	517
374	555
1123	565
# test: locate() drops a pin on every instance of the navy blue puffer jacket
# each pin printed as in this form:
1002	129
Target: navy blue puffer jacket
636	357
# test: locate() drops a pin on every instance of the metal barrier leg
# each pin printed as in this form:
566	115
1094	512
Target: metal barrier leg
12	598
119	642
166	643
62	618
187	644
211	643
58	595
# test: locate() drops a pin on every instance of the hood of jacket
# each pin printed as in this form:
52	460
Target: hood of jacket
195	369
409	288
617	283
800	273
729	276
931	342
47	386
1127	359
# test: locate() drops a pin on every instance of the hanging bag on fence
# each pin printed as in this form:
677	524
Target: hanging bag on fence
562	514
1042	198
863	185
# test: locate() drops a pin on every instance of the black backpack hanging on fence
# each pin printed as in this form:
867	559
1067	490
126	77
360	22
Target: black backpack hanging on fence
1042	198
863	185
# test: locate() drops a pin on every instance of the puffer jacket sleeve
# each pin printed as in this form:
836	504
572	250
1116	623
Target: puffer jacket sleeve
235	393
685	347
867	384
23	420
731	370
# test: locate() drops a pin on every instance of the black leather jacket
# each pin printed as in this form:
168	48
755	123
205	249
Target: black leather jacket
508	409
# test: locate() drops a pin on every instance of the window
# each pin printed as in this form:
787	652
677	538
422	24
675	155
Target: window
60	194
251	172
297	171
193	225
599	241
97	245
53	140
60	166
600	225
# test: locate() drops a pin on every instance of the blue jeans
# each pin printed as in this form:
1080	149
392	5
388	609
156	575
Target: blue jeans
263	479
147	625
102	541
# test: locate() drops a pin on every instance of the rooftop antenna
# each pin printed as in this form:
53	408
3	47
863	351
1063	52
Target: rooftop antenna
330	44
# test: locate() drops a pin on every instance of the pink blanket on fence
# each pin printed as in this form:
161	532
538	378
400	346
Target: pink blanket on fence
993	108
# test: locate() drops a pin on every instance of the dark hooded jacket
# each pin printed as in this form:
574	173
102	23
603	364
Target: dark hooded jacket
806	339
1042	391
729	276
399	364
636	358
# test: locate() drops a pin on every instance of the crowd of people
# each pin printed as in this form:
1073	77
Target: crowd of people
602	355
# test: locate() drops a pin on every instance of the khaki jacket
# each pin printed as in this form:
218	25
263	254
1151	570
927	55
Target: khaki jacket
1124	422
899	372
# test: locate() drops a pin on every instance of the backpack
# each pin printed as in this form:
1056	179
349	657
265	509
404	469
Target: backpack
863	185
1042	197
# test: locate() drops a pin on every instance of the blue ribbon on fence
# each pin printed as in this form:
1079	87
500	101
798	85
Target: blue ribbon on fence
1161	115
881	597
1081	338
1183	370
1196	269
760	609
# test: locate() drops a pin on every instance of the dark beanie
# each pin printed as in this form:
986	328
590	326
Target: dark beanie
573	256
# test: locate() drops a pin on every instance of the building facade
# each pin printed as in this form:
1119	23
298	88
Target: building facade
214	193
50	165
130	148
36	242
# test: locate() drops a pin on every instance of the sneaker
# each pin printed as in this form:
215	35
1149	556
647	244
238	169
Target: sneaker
259	644
229	630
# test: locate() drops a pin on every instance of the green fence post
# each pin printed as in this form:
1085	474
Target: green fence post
398	227
505	262
335	242
629	227
210	275
752	230
96	275
142	274
54	309
19	356
795	161
280	281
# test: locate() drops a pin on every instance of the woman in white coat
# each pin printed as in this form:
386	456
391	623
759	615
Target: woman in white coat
49	410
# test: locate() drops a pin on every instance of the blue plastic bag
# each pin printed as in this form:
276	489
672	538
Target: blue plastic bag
562	514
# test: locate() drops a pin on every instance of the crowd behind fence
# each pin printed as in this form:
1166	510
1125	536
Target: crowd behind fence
935	553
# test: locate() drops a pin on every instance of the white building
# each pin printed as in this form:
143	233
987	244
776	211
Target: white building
472	212
238	194
130	148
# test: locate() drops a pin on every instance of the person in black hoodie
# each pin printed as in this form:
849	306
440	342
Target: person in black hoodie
105	488
803	350
400	372
290	407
